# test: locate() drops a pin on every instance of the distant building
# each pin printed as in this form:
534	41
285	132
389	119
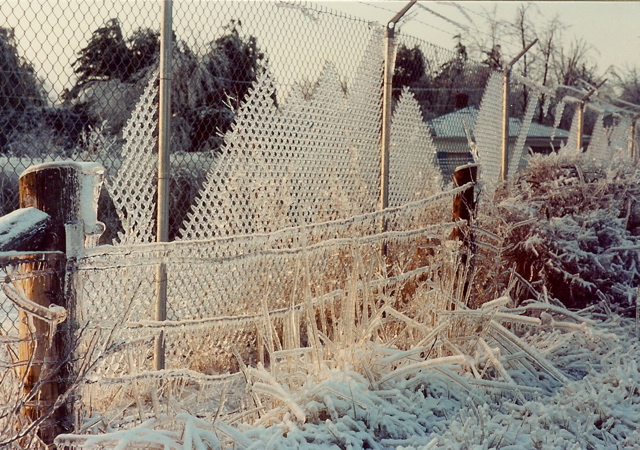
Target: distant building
451	133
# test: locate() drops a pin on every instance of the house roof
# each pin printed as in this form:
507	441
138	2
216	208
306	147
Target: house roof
453	125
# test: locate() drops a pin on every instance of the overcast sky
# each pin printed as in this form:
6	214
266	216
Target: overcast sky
612	28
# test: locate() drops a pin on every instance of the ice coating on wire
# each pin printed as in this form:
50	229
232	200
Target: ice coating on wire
309	161
133	188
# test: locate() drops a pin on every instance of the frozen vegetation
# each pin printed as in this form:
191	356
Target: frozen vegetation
503	364
441	406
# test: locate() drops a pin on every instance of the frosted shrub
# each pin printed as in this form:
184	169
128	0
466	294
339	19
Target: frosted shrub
569	225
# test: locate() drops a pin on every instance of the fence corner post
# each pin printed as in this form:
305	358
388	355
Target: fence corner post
68	192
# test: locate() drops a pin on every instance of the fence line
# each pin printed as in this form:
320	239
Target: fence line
275	180
221	299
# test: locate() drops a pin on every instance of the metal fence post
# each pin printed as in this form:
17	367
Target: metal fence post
505	111
580	126
580	113
504	143
164	126
387	101
633	154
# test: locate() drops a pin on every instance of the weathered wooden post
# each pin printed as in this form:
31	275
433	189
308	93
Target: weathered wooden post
37	285
464	208
464	203
68	192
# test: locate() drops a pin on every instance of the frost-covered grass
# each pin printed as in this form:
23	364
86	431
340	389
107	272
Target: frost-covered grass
415	367
438	405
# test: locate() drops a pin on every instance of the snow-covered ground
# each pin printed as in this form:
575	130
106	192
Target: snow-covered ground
580	388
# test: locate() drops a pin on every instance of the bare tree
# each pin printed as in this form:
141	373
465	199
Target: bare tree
523	24
487	37
546	48
573	63
626	83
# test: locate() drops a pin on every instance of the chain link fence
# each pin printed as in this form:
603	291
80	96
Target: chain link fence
275	130
449	87
74	72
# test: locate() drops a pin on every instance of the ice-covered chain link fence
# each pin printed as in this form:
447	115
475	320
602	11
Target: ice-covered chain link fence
221	48
56	113
49	111
295	41
488	131
448	87
311	160
133	188
222	290
599	143
413	155
442	80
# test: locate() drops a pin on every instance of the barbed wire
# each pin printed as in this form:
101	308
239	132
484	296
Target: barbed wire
452	22
467	12
508	24
377	6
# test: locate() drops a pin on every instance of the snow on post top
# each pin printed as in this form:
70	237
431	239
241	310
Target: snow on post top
89	175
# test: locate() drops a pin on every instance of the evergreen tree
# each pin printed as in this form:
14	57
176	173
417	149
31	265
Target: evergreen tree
206	90
109	56
20	89
409	68
218	85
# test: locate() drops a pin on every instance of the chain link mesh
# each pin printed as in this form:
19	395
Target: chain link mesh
248	295
448	86
275	161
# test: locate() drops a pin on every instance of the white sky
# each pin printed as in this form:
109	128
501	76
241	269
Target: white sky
612	27
51	32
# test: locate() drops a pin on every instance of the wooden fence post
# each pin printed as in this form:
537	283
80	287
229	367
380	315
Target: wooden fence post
68	193
39	279
464	202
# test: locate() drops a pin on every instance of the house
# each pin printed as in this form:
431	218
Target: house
452	133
